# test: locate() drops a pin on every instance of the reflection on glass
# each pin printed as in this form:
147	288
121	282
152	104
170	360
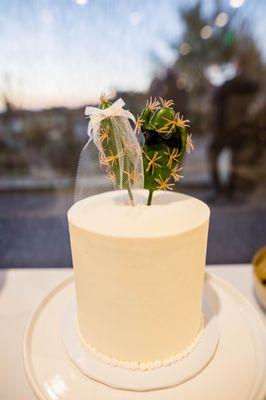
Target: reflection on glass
56	58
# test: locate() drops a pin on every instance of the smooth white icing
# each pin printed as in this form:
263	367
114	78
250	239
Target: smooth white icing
139	274
170	214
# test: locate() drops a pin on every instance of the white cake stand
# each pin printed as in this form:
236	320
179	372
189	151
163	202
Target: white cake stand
236	372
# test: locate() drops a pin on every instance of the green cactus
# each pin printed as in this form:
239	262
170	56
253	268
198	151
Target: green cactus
115	156
166	142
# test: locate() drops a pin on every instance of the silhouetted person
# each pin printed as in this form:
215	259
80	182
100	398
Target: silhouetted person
231	102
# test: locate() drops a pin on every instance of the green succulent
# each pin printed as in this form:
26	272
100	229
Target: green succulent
166	142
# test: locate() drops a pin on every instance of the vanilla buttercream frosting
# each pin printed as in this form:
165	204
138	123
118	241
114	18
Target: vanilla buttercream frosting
139	274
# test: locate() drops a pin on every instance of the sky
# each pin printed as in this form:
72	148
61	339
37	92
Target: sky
66	52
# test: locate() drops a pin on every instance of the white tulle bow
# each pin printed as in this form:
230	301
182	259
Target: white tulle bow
96	115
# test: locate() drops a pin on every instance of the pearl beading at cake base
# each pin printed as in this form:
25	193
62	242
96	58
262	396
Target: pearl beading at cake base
144	366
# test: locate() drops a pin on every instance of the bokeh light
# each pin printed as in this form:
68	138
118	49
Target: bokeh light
236	3
81	2
206	32
221	19
184	49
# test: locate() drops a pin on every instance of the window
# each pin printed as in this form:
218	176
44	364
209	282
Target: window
57	57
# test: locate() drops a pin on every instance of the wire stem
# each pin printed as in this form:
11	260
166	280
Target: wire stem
150	198
131	196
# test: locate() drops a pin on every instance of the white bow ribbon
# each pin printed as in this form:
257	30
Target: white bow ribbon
96	115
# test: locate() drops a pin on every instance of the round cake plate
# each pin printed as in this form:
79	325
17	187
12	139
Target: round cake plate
236	371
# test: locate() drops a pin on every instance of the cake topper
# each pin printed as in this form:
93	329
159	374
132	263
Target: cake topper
147	157
165	144
120	154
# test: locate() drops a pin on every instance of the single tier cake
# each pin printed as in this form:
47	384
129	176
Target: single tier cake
139	275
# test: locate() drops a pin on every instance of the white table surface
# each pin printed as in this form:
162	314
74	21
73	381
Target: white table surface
20	292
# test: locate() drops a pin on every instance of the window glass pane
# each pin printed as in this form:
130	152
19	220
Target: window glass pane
58	56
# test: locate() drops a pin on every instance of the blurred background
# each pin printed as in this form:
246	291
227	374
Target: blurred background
58	56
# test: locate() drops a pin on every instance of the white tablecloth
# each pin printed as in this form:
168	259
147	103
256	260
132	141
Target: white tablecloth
20	292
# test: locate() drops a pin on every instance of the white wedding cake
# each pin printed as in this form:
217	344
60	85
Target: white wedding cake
139	274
